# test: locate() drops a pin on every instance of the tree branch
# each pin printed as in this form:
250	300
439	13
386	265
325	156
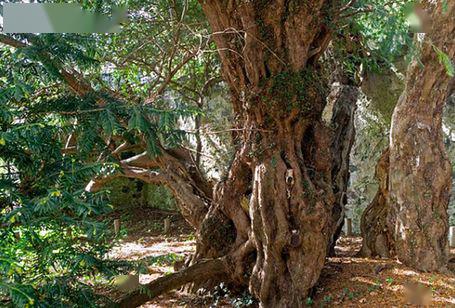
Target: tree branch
169	77
176	167
347	6
74	79
8	40
142	160
127	171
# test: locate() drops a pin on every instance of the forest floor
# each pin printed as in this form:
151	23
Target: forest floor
346	281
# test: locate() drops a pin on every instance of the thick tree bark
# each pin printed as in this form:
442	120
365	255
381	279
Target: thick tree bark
377	236
420	172
290	209
344	107
283	163
409	214
268	51
174	168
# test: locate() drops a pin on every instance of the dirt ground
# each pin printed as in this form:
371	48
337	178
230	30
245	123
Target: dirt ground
346	281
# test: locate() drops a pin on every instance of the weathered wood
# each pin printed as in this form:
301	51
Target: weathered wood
116	226
268	52
167	225
349	227
344	106
377	237
420	171
202	270
452	236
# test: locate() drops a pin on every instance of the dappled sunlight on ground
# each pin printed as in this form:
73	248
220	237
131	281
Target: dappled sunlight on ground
346	281
138	250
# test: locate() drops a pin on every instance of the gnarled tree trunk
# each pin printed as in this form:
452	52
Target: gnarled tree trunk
342	122
410	213
284	151
377	236
420	172
290	211
268	51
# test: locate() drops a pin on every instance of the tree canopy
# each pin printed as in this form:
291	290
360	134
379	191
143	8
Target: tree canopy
148	103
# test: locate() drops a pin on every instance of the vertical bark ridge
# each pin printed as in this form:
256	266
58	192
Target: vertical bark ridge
290	211
409	216
420	172
377	237
278	96
342	122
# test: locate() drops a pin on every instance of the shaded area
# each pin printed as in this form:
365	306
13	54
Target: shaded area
346	281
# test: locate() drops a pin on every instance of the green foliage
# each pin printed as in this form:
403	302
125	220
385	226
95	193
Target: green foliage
445	60
327	299
159	197
376	34
50	235
348	293
163	260
54	234
246	300
126	194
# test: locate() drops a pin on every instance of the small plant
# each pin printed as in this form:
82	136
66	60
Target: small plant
375	286
220	292
246	300
327	299
348	293
431	283
389	280
309	301
156	226
162	260
191	237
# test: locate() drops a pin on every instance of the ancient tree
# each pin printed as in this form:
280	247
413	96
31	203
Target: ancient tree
416	195
289	164
377	240
283	163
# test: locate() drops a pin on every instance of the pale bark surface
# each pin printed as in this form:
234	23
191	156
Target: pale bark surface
342	122
420	172
377	238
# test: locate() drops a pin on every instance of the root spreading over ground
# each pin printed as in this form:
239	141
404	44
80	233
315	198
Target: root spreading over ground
346	280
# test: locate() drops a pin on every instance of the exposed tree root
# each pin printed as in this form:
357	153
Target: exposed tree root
203	270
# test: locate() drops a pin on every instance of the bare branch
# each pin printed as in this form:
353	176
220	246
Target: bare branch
148	176
347	6
169	77
10	41
142	160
